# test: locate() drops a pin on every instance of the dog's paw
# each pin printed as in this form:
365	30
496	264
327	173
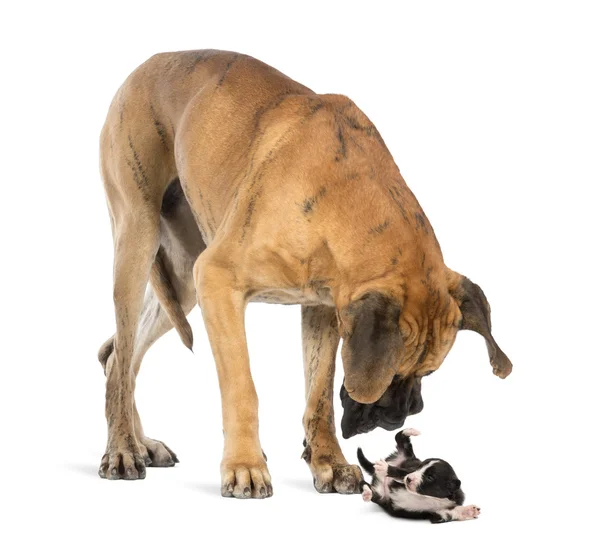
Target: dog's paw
367	493
411	432
467	512
341	478
330	470
157	453
346	478
246	478
122	463
381	467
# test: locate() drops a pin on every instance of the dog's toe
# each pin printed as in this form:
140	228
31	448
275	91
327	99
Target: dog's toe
122	464
158	453
246	480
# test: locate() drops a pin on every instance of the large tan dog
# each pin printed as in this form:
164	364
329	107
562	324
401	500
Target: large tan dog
228	182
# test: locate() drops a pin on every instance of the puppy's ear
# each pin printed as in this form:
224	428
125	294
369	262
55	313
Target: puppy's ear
454	484
475	311
372	347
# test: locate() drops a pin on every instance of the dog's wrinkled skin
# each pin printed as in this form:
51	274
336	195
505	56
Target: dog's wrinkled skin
228	182
401	399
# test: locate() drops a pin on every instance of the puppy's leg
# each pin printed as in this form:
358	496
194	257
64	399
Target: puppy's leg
410	432
331	472
466	512
244	470
367	493
406	455
381	468
384	470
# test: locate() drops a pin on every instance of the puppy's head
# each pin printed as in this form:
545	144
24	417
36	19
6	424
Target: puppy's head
434	478
390	343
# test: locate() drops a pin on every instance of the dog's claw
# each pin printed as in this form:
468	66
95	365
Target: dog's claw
248	480
125	464
159	454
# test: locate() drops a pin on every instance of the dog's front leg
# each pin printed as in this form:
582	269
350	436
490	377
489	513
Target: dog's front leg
320	339
244	470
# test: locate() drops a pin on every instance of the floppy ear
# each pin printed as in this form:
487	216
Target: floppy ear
454	484
475	311
372	346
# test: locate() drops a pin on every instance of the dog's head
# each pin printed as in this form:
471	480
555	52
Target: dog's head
400	400
388	347
435	478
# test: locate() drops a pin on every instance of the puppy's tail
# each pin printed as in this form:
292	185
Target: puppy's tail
365	463
167	297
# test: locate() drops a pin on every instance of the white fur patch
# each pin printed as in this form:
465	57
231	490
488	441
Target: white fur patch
466	512
403	499
383	486
414	480
398	460
380	489
381	468
367	494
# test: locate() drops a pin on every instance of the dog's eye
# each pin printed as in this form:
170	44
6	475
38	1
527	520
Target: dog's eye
429	478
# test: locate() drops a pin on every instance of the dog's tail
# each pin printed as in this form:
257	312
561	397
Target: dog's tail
365	463
167	297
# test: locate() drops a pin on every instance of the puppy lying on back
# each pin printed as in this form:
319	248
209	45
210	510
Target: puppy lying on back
410	488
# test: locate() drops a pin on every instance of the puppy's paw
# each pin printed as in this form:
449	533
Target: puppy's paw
411	433
467	512
367	493
381	467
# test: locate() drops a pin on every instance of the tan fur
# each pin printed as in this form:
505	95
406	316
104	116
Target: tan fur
296	199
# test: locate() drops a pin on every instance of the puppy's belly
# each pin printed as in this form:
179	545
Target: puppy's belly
381	489
403	499
295	296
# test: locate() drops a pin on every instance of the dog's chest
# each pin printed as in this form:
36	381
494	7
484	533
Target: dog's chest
409	501
295	296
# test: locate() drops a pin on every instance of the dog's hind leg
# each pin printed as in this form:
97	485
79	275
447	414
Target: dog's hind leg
154	323
181	244
320	339
134	179
136	244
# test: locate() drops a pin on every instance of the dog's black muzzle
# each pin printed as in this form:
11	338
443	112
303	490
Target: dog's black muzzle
400	400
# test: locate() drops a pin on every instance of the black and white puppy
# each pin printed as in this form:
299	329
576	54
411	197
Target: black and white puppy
407	487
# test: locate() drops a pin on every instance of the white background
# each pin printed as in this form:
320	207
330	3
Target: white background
492	113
